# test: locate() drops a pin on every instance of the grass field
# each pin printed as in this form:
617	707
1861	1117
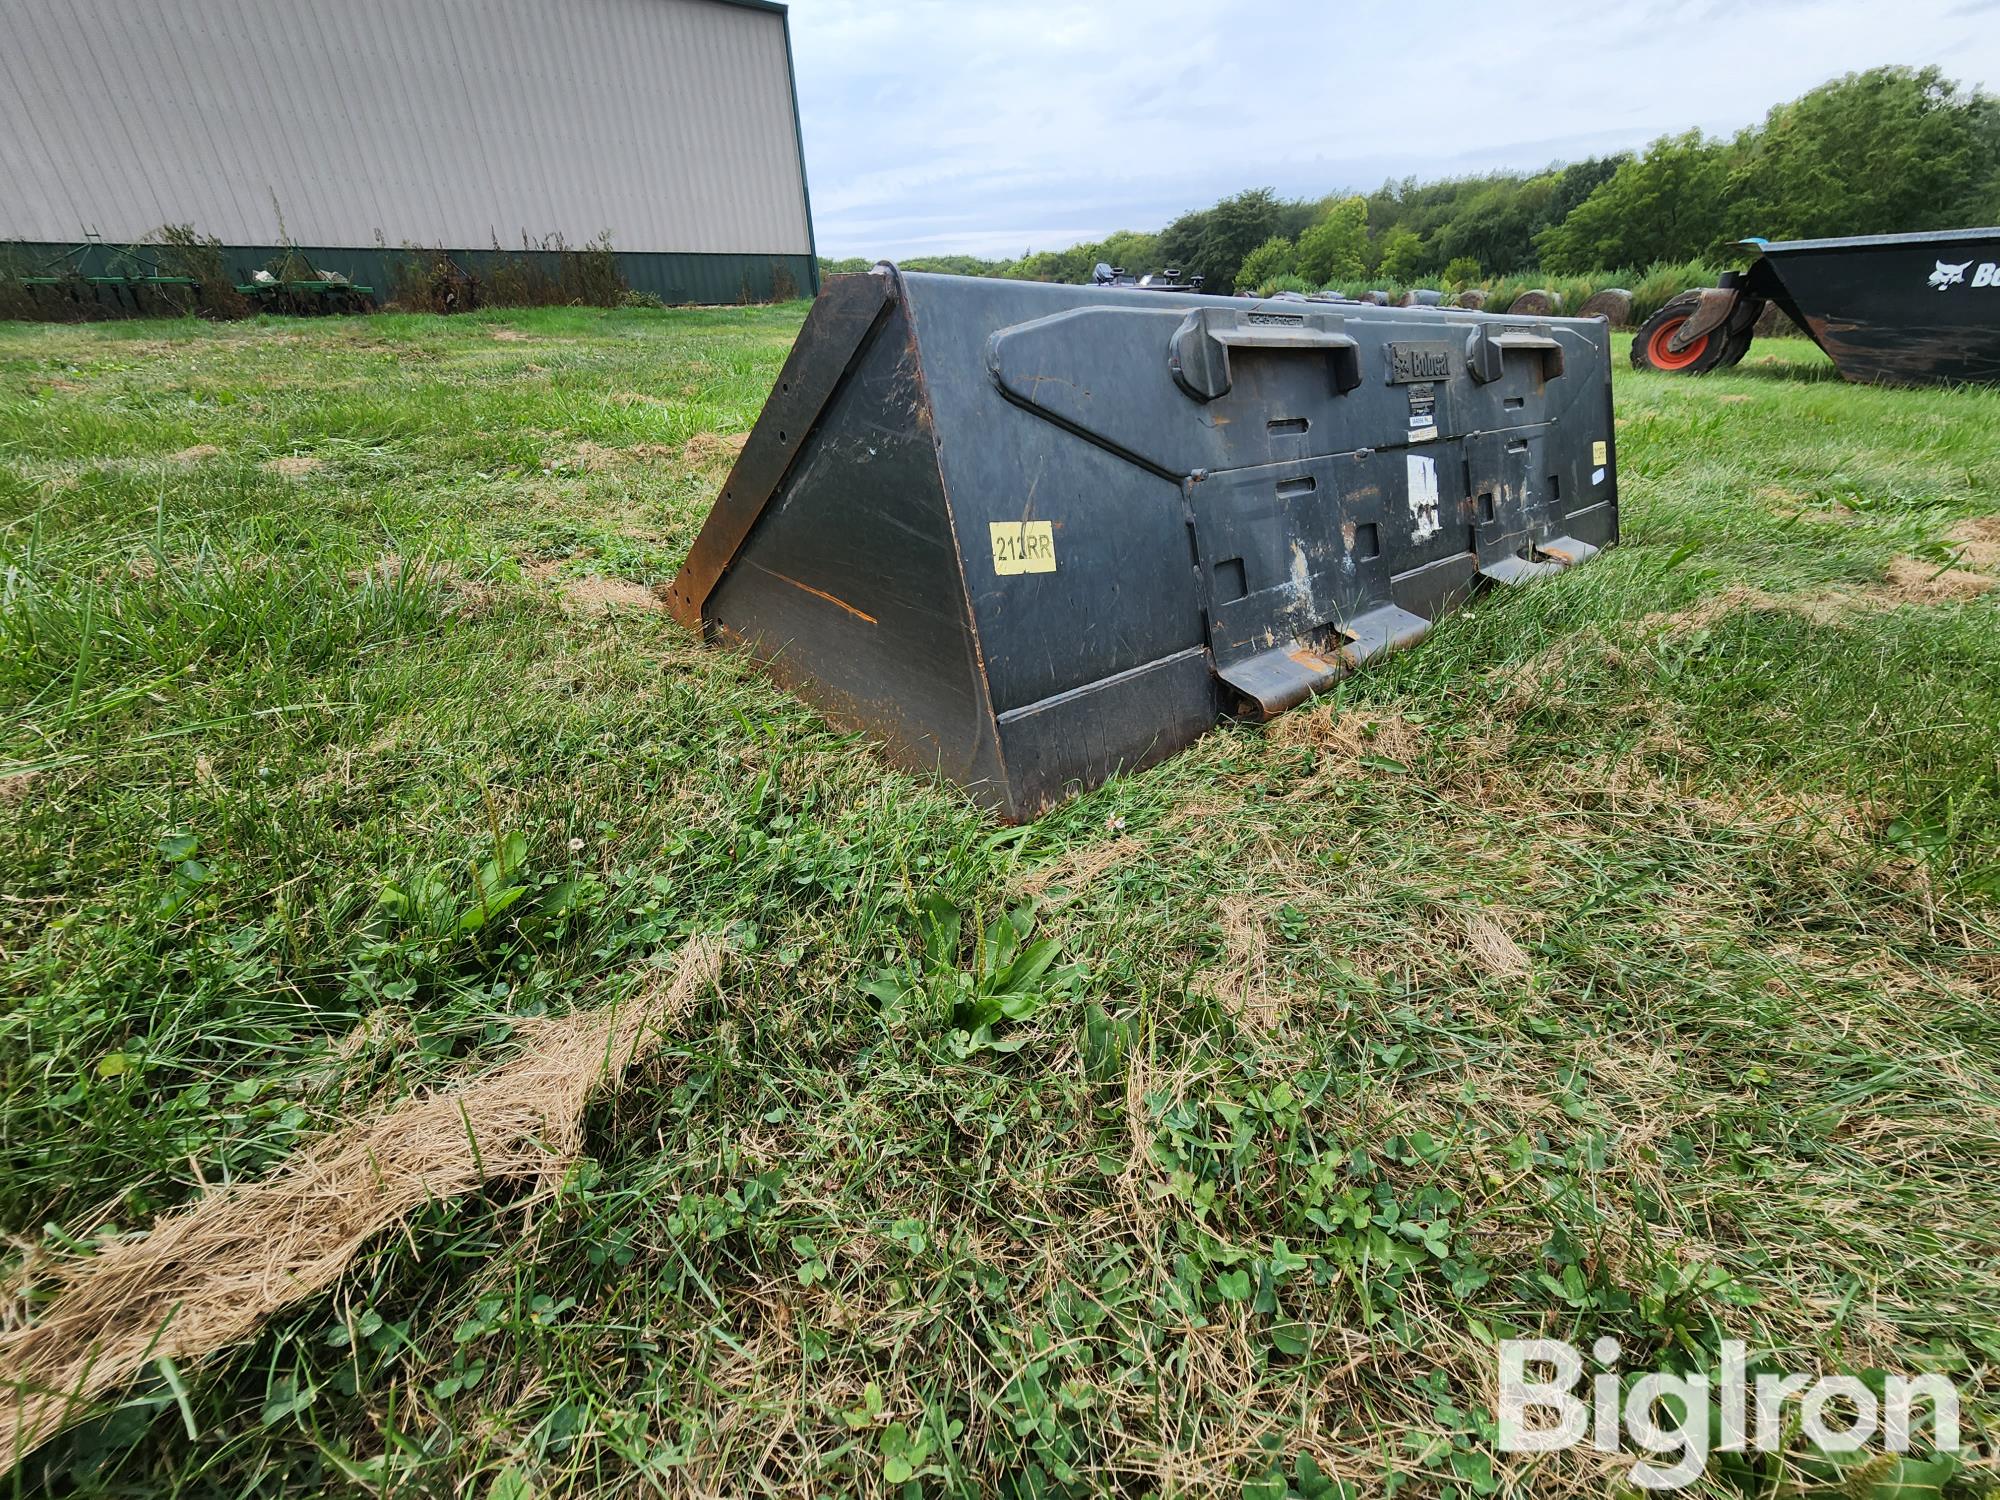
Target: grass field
1622	962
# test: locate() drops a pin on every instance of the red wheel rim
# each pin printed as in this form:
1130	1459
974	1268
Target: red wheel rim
1662	357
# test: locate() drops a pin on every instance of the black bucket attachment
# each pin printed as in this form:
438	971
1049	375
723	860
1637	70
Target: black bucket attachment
1030	535
1888	309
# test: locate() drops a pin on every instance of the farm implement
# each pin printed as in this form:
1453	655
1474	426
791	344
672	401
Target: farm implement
92	280
305	292
132	284
1888	309
1028	535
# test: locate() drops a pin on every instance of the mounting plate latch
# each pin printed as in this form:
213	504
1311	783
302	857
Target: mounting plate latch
1199	352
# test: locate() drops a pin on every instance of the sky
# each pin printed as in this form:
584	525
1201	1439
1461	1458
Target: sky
935	126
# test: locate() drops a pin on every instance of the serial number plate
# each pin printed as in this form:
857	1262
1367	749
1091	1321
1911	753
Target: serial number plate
1023	547
1423	412
1410	362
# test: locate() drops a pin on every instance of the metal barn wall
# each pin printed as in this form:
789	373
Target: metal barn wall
453	123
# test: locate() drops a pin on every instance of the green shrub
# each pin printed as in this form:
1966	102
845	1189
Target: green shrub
176	250
1662	281
1464	271
1336	244
429	280
553	273
1275	284
1270	260
1650	288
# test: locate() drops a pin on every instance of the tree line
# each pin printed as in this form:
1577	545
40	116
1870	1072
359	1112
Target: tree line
1879	152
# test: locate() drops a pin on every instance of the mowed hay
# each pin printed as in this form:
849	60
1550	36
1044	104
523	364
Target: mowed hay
208	1276
1493	948
1926	583
1978	542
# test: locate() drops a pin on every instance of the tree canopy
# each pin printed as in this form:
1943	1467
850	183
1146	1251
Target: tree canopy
1335	245
1880	152
1665	205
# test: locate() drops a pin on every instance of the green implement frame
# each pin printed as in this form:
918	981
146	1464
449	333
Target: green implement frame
135	285
145	289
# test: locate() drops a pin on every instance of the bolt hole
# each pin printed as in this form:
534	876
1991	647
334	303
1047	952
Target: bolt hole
781	437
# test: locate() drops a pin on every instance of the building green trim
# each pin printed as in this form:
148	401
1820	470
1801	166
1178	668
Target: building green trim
799	139
673	276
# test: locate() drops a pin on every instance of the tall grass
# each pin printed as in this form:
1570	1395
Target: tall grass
1616	964
1651	286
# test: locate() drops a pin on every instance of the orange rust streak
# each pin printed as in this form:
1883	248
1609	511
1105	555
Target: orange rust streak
858	614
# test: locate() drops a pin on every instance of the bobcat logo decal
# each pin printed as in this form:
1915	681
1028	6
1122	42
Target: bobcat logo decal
1945	275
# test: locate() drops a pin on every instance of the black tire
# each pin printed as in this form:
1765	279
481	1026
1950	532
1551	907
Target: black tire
1745	325
1648	344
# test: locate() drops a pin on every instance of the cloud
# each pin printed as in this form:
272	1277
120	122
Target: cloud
935	125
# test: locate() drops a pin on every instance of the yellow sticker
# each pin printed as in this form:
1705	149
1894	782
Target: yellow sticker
1023	547
1600	452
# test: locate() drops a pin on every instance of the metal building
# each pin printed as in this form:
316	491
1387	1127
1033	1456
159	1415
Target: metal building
353	128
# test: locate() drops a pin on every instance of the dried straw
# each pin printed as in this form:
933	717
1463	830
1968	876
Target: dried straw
209	1275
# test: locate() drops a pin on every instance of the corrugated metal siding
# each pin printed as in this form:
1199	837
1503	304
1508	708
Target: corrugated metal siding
441	122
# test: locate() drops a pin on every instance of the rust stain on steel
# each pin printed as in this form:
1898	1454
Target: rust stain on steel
843	319
1568	559
1711	312
859	614
1867	354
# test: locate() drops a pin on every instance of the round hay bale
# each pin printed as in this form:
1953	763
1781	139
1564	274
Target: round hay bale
1767	322
1536	304
1380	299
1473	297
1421	296
1613	304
